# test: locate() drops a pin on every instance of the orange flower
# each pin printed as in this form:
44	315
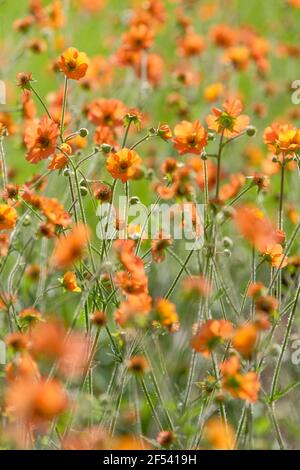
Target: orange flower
60	159
30	315
254	226
124	164
192	44
283	139
40	139
243	386
138	37
133	283
244	339
106	112
274	253
42	402
23	367
238	56
214	91
134	310
231	189
229	120
71	248
73	63
210	334
50	341
8	217
190	137
219	435
54	211
69	282
167	314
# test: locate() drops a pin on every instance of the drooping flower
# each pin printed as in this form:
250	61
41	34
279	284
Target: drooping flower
71	248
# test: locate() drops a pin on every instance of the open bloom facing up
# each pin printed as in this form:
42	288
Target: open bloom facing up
8	217
243	386
124	164
70	248
210	334
73	63
190	137
228	121
40	139
282	139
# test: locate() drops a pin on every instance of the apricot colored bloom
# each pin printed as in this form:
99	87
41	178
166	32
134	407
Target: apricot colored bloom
192	44
60	159
232	188
214	92
138	38
42	402
237	56
40	139
190	137
274	253
125	252
123	164
71	247
8	217
106	112
228	120
254	226
219	436
282	139
244	339
210	334
167	314
30	315
70	282
73	63
134	310
243	386
54	211
23	367
133	283
50	341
